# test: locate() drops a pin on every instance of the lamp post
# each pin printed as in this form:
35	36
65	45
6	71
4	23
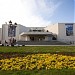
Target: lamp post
12	32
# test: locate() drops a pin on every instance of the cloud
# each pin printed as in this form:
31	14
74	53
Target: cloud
28	12
46	7
11	10
39	11
37	21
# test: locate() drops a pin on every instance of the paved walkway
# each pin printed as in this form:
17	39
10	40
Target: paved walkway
50	45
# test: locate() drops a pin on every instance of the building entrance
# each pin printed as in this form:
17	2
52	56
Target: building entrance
37	38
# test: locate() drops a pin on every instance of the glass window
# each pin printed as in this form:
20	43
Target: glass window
11	31
69	29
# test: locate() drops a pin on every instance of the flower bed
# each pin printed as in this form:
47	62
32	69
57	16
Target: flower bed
38	61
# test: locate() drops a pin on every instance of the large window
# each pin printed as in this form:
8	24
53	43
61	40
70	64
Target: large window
11	31
69	29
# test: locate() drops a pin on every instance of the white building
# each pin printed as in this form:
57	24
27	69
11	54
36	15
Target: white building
64	32
0	34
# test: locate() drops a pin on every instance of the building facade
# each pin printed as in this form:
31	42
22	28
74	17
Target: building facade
0	35
64	32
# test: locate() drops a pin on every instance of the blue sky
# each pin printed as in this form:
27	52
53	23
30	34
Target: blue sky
37	12
65	13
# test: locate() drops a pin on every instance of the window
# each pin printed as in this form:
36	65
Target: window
69	29
11	31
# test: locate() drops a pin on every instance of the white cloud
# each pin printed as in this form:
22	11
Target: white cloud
27	12
37	11
36	21
10	9
46	7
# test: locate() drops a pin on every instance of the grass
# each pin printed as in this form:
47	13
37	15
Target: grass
38	49
40	72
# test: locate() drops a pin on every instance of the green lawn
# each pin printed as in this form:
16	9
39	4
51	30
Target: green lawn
38	49
40	72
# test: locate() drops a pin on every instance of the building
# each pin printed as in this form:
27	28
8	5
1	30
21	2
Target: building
64	32
0	35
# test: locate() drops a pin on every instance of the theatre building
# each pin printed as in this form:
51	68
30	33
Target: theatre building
63	32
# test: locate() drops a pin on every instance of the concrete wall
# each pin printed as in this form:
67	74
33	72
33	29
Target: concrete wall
19	30
5	33
60	30
62	33
0	34
52	28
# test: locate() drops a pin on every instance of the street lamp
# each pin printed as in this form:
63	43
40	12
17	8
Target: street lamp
12	32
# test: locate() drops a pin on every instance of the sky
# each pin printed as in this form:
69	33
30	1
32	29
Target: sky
37	13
